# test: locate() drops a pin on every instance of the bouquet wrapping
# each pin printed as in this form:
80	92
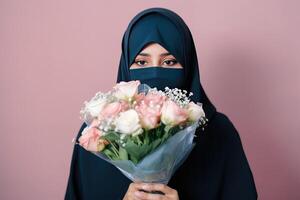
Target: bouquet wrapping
146	133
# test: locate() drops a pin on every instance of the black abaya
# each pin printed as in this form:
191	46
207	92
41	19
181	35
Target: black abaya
217	167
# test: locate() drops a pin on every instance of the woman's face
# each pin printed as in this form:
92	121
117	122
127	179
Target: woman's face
155	55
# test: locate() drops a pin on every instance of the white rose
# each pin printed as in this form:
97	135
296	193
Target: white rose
128	123
126	90
195	111
94	107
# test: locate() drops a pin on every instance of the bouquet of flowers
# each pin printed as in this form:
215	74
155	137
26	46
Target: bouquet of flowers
146	133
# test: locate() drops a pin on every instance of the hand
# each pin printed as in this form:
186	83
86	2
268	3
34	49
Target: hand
136	192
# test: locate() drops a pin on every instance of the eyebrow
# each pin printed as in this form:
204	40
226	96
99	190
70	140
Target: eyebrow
146	54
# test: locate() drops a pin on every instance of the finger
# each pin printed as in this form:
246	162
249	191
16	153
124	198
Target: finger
157	187
148	196
133	187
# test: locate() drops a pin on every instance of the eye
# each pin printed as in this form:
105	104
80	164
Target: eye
140	62
171	62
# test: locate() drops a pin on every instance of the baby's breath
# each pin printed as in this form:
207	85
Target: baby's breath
156	91
107	124
178	96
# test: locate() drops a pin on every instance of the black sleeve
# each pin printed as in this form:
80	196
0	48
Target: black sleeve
237	181
73	187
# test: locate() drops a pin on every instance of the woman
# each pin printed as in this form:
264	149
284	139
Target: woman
158	49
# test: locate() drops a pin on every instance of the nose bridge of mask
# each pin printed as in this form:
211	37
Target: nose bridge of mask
159	77
157	72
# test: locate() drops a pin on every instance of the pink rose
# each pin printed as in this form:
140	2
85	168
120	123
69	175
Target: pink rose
149	116
149	109
126	90
172	114
89	138
155	99
111	110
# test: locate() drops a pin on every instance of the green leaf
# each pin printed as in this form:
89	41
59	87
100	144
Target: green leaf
136	152
111	136
174	130
134	160
123	153
137	147
155	144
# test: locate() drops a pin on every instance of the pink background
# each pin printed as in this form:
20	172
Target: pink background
56	54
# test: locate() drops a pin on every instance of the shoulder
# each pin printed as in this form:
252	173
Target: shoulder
221	121
222	126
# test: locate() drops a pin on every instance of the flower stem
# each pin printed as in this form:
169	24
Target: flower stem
114	149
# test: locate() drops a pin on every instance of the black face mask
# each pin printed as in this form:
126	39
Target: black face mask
159	77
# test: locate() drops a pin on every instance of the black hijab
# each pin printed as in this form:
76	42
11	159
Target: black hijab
163	26
217	167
